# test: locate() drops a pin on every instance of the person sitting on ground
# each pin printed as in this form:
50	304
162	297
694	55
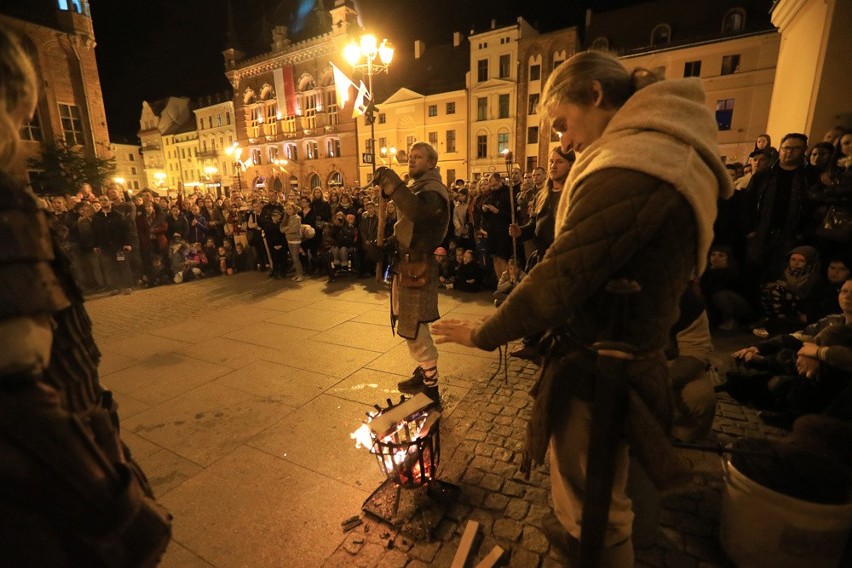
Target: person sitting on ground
157	275
242	258
343	239
720	286
225	262
783	383
781	299
446	272
469	274
508	280
211	253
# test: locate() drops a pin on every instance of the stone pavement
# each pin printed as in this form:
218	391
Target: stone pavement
238	396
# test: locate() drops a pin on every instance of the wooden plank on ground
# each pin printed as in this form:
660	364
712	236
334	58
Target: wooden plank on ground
492	558
465	545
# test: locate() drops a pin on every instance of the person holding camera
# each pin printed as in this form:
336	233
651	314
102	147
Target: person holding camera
423	217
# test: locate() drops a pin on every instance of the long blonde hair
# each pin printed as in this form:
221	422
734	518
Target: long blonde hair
18	90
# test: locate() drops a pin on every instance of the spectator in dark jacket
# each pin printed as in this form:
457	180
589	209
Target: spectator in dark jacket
112	243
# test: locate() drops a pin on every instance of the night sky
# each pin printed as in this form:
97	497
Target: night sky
158	48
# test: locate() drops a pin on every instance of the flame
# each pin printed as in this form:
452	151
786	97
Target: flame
363	437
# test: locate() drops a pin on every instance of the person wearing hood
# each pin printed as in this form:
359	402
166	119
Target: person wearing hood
639	205
423	218
783	299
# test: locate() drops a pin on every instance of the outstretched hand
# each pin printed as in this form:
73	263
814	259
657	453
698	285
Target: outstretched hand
454	331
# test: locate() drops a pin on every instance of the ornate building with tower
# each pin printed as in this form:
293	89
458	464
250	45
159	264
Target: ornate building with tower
59	37
289	130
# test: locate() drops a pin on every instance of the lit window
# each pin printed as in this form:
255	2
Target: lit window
533	103
433	110
451	108
451	141
734	21
433	139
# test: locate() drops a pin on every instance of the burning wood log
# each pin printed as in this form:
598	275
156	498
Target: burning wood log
388	421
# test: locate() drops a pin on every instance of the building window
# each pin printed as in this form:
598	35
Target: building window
505	69
383	143
482	70
272	153
533	103
535	72
72	124
291	152
133	170
734	21
209	122
31	130
692	69
600	44
311	150
730	64
532	162
409	141
228	118
368	146
504	106
502	142
451	141
482	146
256	156
662	33
451	108
218	119
481	108
333	147
557	62
724	113
451	177
433	139
382	118
433	110
532	135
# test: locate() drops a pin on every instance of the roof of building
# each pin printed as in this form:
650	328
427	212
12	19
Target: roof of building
628	29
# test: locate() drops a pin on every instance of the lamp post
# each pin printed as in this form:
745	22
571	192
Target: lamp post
370	50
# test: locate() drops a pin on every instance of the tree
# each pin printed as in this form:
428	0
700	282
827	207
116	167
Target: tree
62	169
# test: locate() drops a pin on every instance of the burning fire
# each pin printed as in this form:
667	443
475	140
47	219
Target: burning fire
363	437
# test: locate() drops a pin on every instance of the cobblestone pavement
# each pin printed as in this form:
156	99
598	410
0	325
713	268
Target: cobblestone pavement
482	441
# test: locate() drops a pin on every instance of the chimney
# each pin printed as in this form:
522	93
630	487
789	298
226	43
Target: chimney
457	39
494	24
419	48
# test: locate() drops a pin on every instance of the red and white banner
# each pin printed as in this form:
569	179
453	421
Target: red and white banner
285	90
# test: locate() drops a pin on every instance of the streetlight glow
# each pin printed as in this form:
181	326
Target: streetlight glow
352	53
386	52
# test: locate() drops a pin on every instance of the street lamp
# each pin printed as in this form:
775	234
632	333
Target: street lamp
369	50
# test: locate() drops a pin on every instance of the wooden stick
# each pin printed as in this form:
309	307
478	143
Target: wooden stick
460	559
491	560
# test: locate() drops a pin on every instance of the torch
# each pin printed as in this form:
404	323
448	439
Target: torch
509	162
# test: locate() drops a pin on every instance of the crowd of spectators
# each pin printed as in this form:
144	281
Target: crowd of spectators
780	257
781	266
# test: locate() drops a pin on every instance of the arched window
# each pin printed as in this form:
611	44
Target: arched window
662	33
266	92
314	181
307	83
734	21
600	44
334	179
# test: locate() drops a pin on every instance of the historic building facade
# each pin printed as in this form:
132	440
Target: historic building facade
289	130
59	37
129	166
159	121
